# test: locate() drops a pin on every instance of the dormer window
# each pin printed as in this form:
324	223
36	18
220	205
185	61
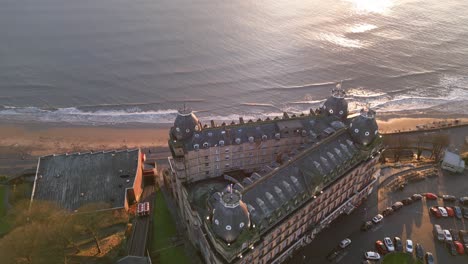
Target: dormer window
251	139
196	147
206	145
238	140
221	143
177	129
264	137
277	135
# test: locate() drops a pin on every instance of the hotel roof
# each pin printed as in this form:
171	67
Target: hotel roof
73	180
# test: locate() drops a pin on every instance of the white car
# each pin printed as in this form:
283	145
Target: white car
377	219
372	255
443	211
389	244
345	242
409	246
447	235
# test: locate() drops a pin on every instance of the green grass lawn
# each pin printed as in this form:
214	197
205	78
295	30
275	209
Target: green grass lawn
400	258
163	230
3	223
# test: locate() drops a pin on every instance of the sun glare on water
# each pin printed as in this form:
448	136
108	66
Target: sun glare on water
372	6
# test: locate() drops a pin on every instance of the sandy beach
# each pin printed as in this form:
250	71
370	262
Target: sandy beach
21	144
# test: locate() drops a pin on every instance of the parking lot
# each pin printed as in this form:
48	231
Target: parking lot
410	222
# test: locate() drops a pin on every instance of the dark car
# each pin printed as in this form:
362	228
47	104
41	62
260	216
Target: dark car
431	196
398	244
366	225
451	248
465	212
454	234
419	251
416	197
458	212
429	258
449	198
396	206
387	211
381	248
463	236
464	200
407	201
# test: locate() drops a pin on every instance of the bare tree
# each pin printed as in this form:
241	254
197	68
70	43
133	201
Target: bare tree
92	221
439	142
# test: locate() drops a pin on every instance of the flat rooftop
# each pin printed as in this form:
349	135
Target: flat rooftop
73	180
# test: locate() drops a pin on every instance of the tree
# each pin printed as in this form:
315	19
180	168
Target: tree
89	219
34	238
439	142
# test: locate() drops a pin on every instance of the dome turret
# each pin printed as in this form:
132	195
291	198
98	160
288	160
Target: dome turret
363	128
336	104
185	124
230	215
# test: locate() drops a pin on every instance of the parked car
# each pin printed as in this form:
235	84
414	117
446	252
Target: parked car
459	247
429	258
407	201
366	225
449	198
371	255
439	233
379	245
389	244
409	246
442	211
450	211
463	236
451	248
458	212
419	251
387	211
447	236
398	244
435	212
396	206
454	234
345	242
465	212
377	219
416	197
464	200
431	196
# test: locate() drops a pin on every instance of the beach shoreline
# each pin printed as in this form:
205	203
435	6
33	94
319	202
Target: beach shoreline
20	142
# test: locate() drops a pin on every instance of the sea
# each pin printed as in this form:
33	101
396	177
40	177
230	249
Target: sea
101	62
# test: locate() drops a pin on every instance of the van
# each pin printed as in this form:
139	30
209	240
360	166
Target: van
438	233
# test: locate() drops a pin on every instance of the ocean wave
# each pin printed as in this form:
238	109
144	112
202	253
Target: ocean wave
75	115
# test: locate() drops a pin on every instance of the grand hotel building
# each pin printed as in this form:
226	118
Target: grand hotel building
254	192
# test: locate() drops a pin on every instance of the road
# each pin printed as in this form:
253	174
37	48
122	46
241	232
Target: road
141	226
411	222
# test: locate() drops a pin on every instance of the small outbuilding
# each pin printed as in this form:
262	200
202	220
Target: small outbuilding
453	162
